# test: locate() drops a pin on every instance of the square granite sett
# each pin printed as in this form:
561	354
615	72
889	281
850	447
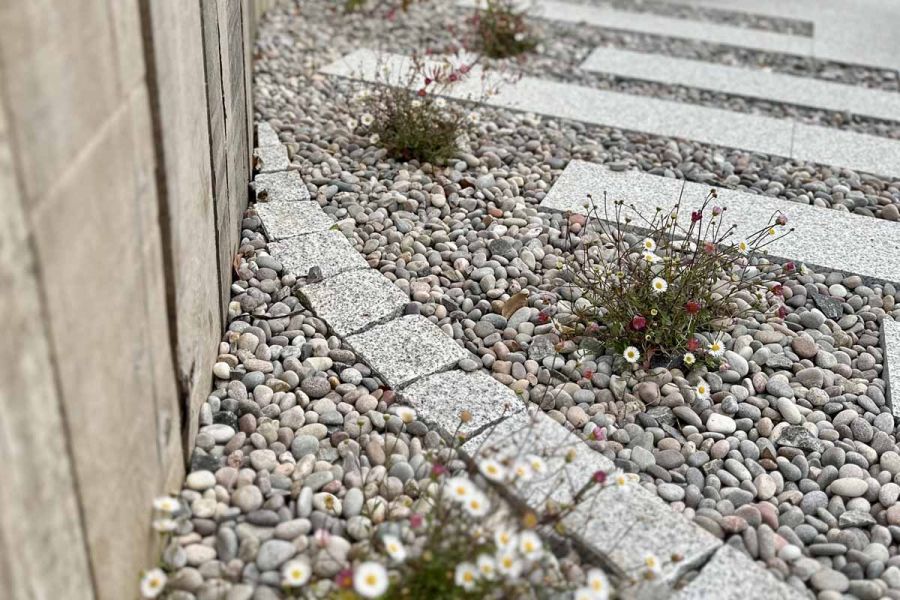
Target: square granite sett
625	523
281	186
351	301
732	575
283	220
439	399
890	345
328	250
570	462
406	349
268	159
266	136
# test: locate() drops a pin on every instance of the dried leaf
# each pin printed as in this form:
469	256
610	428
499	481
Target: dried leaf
515	302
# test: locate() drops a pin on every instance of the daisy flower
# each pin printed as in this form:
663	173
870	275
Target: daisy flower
165	525
370	580
487	566
473	117
153	583
460	488
522	470
352	124
505	538
652	564
492	470
367	119
649	245
374	138
619	478
508	564
537	464
530	545
394	548
584	593
166	504
440	103
466	576
743	247
295	573
659	285
631	354
702	390
689	358
716	349
477	504
650	257
406	414
598	583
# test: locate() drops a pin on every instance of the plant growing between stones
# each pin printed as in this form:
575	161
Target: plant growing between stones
500	29
662	287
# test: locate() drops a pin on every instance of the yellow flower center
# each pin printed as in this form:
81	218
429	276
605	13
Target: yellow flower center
468	577
371	579
296	573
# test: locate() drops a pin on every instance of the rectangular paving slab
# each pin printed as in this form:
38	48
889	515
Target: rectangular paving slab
283	220
328	250
406	349
267	159
281	186
732	575
266	136
440	399
571	463
823	237
667	118
653	24
353	300
890	344
745	81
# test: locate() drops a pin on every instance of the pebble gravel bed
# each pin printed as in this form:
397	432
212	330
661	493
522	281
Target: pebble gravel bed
794	456
710	15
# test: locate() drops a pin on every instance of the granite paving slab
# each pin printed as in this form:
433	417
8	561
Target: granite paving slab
571	463
823	237
440	399
281	186
328	250
406	349
732	575
283	220
268	159
745	81
653	24
890	344
353	300
626	523
754	133
266	136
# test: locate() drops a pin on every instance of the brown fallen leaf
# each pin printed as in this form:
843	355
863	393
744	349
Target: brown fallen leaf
515	302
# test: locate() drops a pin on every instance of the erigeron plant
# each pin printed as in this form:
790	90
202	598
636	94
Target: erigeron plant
500	30
406	112
168	518
662	289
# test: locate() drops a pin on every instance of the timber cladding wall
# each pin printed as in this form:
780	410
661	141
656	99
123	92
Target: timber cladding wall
124	158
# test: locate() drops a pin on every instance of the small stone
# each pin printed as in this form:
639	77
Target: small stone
721	424
850	487
201	480
274	553
248	498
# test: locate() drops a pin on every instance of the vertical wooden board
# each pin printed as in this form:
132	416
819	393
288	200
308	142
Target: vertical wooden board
179	88
217	139
43	554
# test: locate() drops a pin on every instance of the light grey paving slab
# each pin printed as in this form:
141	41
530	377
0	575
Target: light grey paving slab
745	81
626	523
890	343
571	463
440	399
268	159
823	237
406	349
755	133
281	186
353	300
732	575
654	24
265	135
328	250
283	220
